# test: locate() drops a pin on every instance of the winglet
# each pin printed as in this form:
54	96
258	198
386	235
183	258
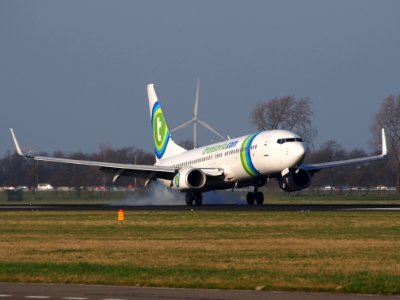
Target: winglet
384	147
17	147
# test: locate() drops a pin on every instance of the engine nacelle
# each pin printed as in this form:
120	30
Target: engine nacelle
189	179
295	180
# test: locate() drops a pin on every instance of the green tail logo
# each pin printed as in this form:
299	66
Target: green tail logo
161	135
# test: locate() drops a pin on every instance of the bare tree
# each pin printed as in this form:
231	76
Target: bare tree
388	117
285	113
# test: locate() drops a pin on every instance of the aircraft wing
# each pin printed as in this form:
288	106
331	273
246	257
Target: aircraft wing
316	167
149	172
117	169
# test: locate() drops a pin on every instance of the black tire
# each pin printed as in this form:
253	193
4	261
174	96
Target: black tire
259	198
250	198
189	198
198	199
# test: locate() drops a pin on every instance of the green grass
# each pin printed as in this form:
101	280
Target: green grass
188	277
64	197
353	252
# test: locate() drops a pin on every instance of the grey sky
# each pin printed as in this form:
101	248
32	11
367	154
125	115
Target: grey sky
73	74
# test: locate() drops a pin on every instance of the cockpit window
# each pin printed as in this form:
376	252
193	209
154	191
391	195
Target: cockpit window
289	140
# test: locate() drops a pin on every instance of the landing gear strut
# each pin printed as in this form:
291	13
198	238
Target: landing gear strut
196	197
256	196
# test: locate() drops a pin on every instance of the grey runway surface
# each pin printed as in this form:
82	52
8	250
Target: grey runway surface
211	207
97	292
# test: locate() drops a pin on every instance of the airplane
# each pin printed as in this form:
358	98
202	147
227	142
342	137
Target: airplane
247	161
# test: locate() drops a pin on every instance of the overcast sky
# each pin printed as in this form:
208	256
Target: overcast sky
73	74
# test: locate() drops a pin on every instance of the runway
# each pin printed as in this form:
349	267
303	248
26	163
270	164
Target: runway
207	207
14	291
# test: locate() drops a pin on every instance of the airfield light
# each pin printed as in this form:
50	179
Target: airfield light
121	215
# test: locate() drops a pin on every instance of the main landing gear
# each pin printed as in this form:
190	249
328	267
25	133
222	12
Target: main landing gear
196	197
255	196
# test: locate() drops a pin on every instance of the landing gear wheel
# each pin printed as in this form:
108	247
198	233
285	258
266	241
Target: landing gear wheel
198	199
250	198
259	198
189	199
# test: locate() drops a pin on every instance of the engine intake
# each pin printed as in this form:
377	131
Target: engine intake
189	179
295	180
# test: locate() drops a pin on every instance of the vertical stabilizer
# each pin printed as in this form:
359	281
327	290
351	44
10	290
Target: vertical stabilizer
163	144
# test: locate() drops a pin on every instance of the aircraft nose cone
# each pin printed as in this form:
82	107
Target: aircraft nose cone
298	152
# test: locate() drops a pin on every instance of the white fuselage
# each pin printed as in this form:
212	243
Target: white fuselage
244	160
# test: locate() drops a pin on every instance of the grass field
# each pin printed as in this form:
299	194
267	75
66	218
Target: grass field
354	252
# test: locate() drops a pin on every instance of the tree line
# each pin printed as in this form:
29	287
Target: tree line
17	171
278	113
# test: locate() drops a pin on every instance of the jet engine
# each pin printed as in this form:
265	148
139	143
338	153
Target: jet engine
295	180
189	179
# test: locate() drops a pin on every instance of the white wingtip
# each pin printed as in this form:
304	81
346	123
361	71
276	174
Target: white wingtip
17	147
384	147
